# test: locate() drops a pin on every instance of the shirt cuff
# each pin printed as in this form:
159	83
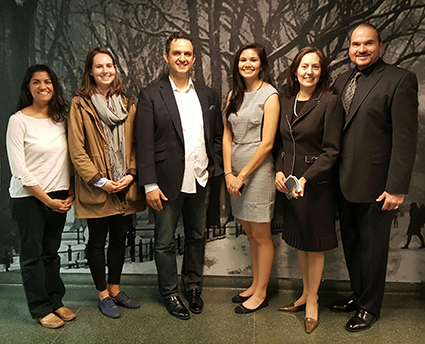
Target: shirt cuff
150	187
100	182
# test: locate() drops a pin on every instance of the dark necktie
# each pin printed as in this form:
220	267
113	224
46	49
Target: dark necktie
349	93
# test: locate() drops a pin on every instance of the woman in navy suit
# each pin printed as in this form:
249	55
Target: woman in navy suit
310	131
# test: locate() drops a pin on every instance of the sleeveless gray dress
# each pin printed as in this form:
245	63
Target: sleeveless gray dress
257	201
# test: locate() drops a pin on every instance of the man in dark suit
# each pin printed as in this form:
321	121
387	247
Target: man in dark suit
178	133
376	162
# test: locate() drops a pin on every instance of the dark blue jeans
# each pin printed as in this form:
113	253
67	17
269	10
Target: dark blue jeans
40	230
193	207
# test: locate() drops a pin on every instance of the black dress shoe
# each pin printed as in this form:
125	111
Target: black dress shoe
239	299
347	305
176	307
196	305
241	309
361	321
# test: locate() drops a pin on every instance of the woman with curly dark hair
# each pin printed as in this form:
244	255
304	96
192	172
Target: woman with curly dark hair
41	191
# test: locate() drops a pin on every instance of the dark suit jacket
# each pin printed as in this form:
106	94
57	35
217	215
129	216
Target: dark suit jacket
380	133
159	136
309	222
317	134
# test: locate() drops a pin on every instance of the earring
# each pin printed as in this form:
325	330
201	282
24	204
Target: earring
296	78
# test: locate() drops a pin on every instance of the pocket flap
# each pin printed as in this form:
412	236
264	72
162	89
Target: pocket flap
310	159
380	159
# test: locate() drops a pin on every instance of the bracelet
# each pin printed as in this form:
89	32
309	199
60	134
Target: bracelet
226	174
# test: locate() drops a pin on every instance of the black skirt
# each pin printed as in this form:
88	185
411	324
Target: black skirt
309	221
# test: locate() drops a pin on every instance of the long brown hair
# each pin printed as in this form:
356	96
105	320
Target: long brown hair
292	82
239	86
88	84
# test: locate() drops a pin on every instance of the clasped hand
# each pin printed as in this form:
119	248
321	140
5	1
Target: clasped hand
62	205
114	187
233	184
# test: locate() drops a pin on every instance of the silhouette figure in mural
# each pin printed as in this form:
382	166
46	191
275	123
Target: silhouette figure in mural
397	214
417	219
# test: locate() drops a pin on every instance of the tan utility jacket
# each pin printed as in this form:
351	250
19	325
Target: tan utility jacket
90	155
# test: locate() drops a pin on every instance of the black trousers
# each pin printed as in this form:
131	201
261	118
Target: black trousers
193	207
40	230
117	226
365	234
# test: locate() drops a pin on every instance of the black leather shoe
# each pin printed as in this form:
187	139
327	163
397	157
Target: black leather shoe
196	305
347	305
239	299
241	309
361	321
176	307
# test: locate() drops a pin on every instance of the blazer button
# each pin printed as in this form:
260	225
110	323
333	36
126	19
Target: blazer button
183	158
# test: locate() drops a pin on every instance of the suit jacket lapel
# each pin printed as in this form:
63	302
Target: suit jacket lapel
288	108
203	99
310	105
345	78
167	95
362	92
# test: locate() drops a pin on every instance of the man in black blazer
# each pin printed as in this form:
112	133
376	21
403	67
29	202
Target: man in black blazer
376	161
178	133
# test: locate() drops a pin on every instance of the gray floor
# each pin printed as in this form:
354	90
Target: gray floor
402	319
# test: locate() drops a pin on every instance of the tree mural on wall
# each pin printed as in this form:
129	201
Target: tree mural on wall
61	32
136	30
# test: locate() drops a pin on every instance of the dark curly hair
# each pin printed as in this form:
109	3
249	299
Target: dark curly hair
177	35
57	105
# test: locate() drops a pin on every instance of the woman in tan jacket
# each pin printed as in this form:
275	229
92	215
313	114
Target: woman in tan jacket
100	134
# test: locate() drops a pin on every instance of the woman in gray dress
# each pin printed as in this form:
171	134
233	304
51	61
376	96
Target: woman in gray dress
252	116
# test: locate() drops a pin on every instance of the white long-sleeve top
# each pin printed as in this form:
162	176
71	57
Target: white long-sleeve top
38	154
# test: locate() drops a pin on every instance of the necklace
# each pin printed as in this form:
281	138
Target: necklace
295	105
